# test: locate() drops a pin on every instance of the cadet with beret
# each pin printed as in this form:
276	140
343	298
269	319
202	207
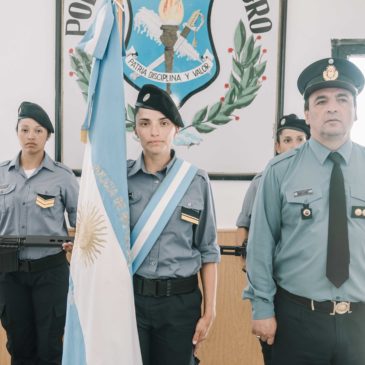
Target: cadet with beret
173	237
35	192
306	254
291	132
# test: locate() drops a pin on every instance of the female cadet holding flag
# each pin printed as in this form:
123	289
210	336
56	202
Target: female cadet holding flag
173	238
35	192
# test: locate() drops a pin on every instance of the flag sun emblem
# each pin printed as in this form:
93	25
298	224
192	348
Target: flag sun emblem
91	230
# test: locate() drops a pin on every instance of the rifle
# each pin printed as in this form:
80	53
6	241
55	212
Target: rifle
233	250
11	245
33	241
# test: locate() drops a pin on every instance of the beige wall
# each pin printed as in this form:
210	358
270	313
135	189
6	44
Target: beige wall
4	356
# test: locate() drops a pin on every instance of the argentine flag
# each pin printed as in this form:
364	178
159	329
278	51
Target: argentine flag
101	325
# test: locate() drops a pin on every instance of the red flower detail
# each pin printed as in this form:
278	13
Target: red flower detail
258	37
264	50
264	78
222	99
71	50
236	117
71	73
226	86
230	50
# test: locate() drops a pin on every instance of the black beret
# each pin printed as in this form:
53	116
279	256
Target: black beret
34	111
291	121
152	97
331	72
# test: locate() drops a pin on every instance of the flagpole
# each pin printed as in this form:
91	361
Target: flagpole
120	9
106	332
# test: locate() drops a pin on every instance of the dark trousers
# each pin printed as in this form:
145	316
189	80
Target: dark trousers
266	352
306	337
33	311
166	326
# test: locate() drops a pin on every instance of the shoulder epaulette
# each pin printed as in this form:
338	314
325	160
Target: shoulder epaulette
284	156
203	174
62	166
258	175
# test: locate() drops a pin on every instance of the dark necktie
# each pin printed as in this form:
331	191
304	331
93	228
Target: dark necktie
338	253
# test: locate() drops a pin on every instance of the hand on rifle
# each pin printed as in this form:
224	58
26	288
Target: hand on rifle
67	246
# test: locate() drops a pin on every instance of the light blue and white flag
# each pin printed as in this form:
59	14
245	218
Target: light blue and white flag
101	325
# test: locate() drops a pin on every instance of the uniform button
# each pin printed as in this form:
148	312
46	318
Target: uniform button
23	226
153	263
23	203
157	181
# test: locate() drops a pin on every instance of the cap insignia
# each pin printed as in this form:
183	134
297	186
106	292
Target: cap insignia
282	122
330	73
146	97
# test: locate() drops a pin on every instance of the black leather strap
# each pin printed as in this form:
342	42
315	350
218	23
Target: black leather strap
164	287
325	306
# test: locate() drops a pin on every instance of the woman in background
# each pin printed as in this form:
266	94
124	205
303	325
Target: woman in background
35	192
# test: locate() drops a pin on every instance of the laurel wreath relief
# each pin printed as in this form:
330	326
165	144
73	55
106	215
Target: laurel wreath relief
244	82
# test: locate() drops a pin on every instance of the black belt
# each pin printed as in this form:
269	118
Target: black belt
164	287
331	307
43	263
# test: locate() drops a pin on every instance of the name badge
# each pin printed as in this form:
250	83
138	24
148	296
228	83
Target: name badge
45	201
303	192
358	212
190	215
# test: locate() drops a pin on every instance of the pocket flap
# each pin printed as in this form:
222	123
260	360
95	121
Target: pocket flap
7	188
303	196
47	192
357	192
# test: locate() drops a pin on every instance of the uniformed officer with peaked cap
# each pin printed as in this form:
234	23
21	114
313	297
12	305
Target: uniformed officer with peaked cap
167	296
305	284
35	194
333	73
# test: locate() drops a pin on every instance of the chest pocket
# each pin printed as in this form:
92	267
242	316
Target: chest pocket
189	210
357	204
302	204
7	195
47	198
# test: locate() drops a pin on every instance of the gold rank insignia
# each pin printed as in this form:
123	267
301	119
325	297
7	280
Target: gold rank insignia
330	73
190	215
45	201
358	212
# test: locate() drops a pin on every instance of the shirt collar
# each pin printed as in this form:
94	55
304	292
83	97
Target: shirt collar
322	152
47	163
140	166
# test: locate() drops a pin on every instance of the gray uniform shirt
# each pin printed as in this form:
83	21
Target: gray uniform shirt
244	218
20	214
182	247
288	250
